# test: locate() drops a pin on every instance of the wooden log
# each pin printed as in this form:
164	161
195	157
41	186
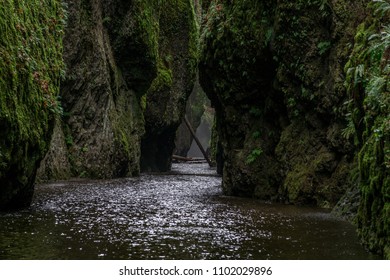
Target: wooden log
189	160
197	141
179	158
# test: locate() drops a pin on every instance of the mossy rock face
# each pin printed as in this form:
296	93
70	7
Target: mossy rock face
111	58
237	73
176	72
31	64
55	165
126	62
368	85
274	72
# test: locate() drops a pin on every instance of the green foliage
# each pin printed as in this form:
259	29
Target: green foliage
83	174
255	111
367	82
349	130
147	24
382	41
143	102
382	7
256	134
69	141
298	35
106	20
163	80
323	47
254	155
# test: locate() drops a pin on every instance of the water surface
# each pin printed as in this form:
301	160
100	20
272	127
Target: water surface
172	216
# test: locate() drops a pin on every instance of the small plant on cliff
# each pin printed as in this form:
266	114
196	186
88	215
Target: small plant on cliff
255	111
143	102
323	47
382	7
349	130
256	134
254	155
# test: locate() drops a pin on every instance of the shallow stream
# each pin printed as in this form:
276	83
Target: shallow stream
173	216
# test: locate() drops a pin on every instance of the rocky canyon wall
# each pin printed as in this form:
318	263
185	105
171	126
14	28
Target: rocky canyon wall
368	86
30	68
276	73
110	54
127	69
176	71
130	69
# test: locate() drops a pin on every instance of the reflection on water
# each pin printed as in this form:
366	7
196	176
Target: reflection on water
168	217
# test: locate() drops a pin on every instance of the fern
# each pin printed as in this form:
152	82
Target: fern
358	74
382	7
380	41
349	130
376	86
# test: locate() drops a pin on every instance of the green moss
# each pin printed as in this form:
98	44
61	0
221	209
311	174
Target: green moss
193	49
125	142
128	128
31	66
297	185
143	102
163	79
134	36
176	71
367	83
174	16
147	19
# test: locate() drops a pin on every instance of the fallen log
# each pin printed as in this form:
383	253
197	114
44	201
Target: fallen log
180	158
197	141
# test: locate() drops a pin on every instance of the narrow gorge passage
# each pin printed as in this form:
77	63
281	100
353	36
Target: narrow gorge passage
296	94
169	216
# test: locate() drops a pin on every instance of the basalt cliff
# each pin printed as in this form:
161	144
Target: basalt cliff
98	88
301	92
